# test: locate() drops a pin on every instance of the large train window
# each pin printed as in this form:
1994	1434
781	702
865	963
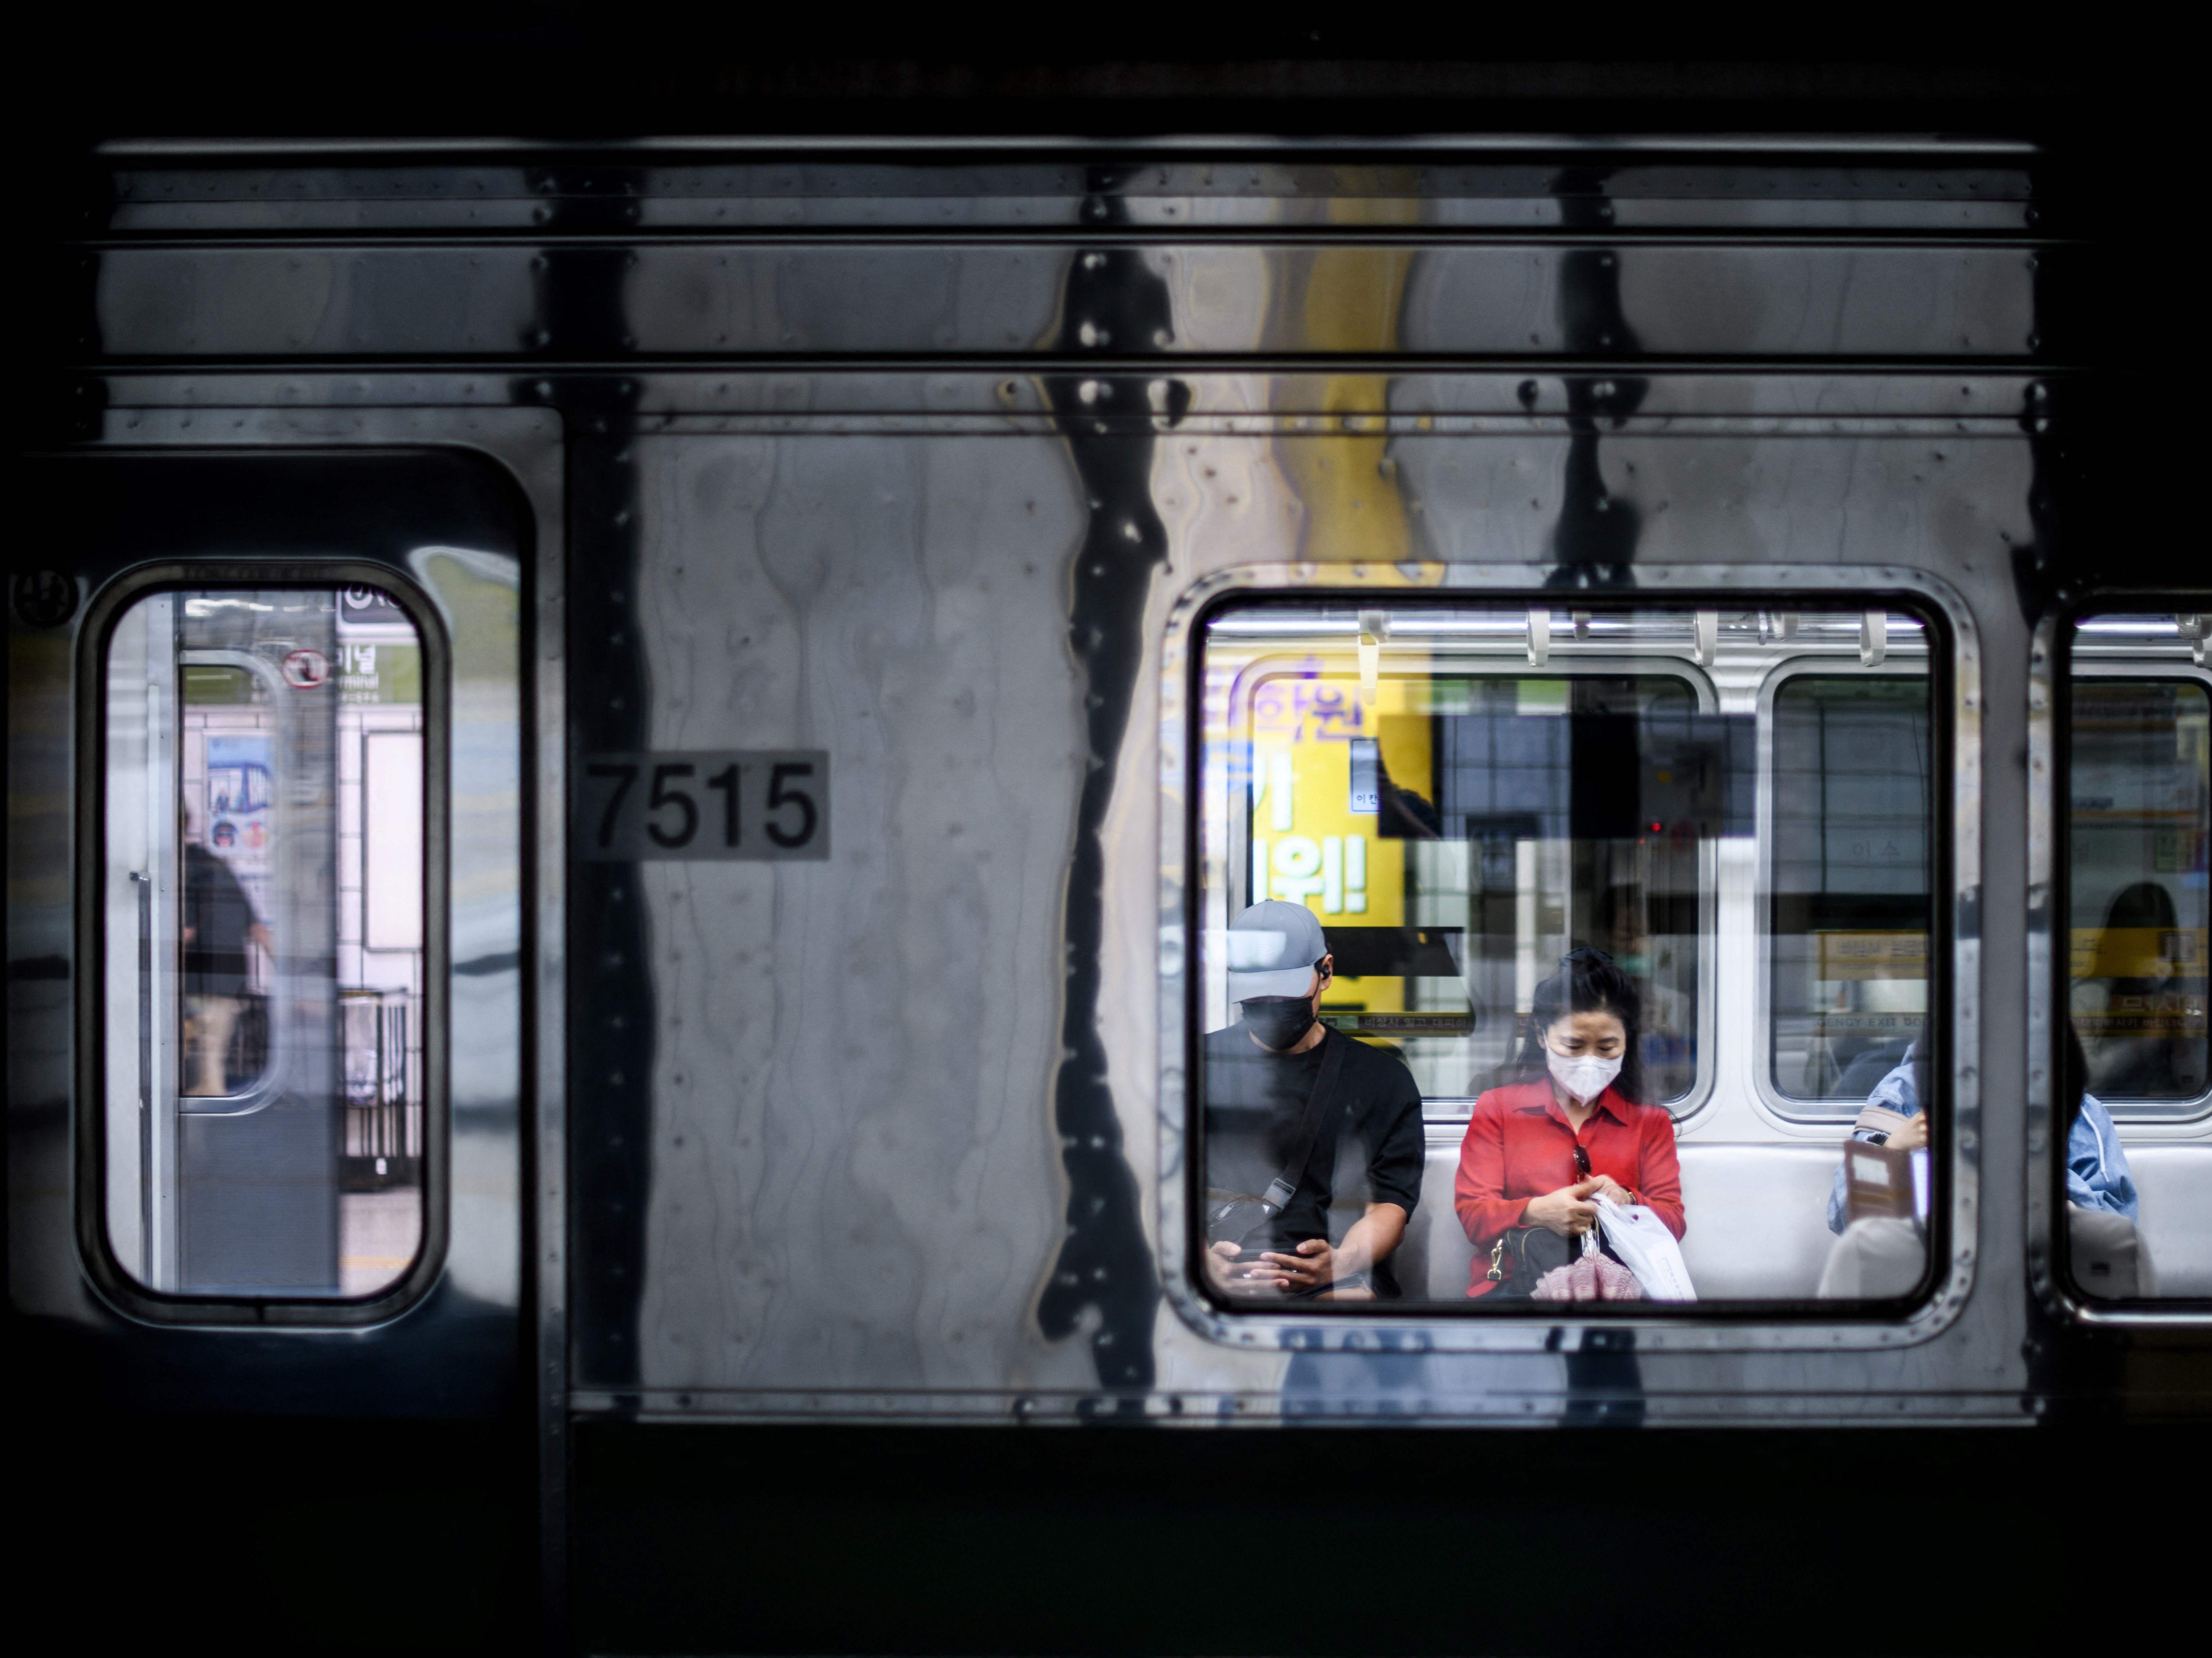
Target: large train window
1847	866
1513	852
2136	1074
262	907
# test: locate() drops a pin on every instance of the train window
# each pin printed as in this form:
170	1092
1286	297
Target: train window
1848	869
262	907
2139	812
1473	805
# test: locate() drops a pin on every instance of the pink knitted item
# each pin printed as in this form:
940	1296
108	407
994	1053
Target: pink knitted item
1588	1277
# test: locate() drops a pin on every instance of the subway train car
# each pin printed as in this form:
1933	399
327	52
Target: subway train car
638	778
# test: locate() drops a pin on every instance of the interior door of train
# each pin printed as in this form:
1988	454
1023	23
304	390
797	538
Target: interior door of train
265	858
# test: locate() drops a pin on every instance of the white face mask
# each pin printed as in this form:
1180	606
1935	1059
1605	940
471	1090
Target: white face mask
1583	1077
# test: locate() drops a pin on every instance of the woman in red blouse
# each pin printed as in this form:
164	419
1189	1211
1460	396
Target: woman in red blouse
1537	1151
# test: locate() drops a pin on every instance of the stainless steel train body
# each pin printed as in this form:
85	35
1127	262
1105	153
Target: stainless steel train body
931	471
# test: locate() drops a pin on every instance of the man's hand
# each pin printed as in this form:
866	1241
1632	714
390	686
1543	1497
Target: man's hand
1913	1137
1232	1276
1309	1266
1220	1262
259	934
1564	1211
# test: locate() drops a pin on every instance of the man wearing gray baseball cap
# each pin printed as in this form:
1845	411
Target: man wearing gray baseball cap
1303	1124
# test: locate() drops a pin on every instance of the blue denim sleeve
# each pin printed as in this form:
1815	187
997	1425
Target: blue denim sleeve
1897	1090
2097	1174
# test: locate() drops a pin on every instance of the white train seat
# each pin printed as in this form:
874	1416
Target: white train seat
1758	1220
2174	1219
2111	1260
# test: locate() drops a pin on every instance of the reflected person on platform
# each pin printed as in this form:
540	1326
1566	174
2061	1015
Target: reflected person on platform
219	923
1313	1139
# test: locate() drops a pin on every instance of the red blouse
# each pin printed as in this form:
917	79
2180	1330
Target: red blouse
1518	1146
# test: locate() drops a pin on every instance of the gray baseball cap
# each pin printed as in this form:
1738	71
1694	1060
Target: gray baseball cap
1272	947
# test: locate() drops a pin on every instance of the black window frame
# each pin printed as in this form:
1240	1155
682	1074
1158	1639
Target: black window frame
1944	933
107	1273
2050	1247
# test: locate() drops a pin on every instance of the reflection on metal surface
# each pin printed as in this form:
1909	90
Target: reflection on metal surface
1112	302
821	186
1595	536
1620	301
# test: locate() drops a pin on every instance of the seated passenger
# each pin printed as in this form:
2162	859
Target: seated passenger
2109	1255
2138	1055
2097	1176
1882	1255
1299	1119
1539	1151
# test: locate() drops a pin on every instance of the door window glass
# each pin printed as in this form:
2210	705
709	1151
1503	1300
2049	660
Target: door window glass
261	903
2134	1085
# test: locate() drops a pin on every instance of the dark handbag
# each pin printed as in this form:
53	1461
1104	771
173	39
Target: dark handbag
1520	1256
249	1042
1232	1217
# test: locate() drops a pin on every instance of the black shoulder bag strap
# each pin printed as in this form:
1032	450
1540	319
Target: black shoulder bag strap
1285	1186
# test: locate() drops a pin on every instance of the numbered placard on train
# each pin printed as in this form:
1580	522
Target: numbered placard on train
701	803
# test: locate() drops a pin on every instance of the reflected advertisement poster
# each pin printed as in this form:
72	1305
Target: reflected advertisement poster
240	825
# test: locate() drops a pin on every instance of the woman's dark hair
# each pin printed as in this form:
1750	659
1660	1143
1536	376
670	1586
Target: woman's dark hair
2145	904
1588	982
2144	907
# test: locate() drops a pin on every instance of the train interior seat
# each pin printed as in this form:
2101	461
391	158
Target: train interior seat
1759	1220
1758	1215
2172	1181
2110	1258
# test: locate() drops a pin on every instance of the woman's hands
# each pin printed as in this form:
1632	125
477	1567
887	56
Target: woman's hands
1566	1211
1604	1186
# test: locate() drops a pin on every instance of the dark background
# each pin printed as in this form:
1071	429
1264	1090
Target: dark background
2114	101
145	1530
571	69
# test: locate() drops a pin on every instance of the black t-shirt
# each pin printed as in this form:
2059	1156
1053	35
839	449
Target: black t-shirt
1254	1101
219	913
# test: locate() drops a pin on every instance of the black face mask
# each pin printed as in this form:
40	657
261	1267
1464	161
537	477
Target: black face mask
1278	1021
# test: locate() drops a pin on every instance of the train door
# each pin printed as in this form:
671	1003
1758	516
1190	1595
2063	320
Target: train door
224	911
265	857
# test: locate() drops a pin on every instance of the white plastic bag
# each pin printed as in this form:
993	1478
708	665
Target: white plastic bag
1647	1248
